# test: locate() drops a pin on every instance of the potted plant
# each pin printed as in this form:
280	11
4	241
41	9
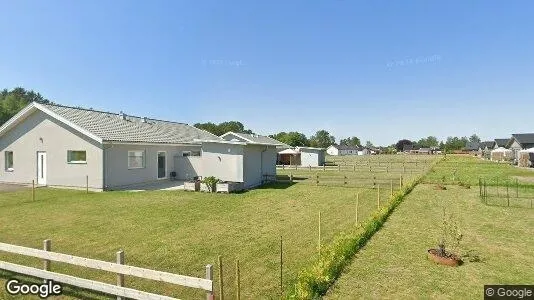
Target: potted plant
192	185
229	186
446	251
208	184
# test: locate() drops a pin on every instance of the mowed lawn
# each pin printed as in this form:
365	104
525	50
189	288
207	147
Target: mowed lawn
394	265
181	232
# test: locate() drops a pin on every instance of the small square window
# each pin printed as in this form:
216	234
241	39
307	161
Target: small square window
76	157
136	159
9	160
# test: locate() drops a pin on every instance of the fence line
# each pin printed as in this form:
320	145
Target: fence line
118	268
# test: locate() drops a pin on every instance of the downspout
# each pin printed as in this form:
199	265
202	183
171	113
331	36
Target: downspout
104	167
261	162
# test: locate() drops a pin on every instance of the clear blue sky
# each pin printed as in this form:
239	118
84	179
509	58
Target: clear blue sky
380	70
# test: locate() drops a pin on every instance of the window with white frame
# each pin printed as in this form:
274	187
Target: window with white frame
9	160
76	157
191	153
136	159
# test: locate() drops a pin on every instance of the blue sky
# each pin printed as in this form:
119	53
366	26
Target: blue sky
379	70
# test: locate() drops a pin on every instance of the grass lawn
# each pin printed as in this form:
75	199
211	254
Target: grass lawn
393	265
181	232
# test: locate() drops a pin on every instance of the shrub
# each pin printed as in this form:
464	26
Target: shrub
210	182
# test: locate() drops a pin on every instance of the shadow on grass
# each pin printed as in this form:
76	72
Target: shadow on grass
276	186
67	290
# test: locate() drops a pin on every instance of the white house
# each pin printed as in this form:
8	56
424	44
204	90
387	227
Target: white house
347	150
65	146
302	156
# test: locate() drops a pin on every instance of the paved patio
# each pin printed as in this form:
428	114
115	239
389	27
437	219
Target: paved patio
160	185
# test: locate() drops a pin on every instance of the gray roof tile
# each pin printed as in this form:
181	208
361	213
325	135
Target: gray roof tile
111	127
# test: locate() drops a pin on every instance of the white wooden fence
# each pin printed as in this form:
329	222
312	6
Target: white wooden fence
119	268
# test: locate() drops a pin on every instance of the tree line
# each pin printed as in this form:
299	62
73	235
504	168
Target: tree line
12	101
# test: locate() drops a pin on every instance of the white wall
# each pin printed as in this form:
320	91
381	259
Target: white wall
258	161
39	132
116	163
311	157
332	151
224	161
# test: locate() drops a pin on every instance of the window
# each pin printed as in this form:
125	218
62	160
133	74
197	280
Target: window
76	157
9	160
136	159
190	153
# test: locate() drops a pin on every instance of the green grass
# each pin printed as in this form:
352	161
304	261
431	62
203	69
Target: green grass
181	232
393	265
469	169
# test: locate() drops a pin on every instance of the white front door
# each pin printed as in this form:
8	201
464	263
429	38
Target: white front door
41	168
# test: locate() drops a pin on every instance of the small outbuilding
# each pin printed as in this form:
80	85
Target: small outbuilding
302	156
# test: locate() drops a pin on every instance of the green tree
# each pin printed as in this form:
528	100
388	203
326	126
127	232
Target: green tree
428	142
322	139
474	139
224	127
293	138
368	144
351	141
400	144
456	143
12	101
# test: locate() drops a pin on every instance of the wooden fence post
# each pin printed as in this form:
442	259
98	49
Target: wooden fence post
319	234
221	283
209	276
391	187
281	268
120	277
310	167
87	184
237	280
378	196
345	180
290	177
374	181
339	168
33	190
507	193
401	181
479	187
317	180
283	167
324	167
354	168
46	263
357	204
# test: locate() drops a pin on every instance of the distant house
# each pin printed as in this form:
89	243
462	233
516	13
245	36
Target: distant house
472	147
485	148
424	151
253	138
343	150
73	147
407	148
500	143
302	156
520	141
